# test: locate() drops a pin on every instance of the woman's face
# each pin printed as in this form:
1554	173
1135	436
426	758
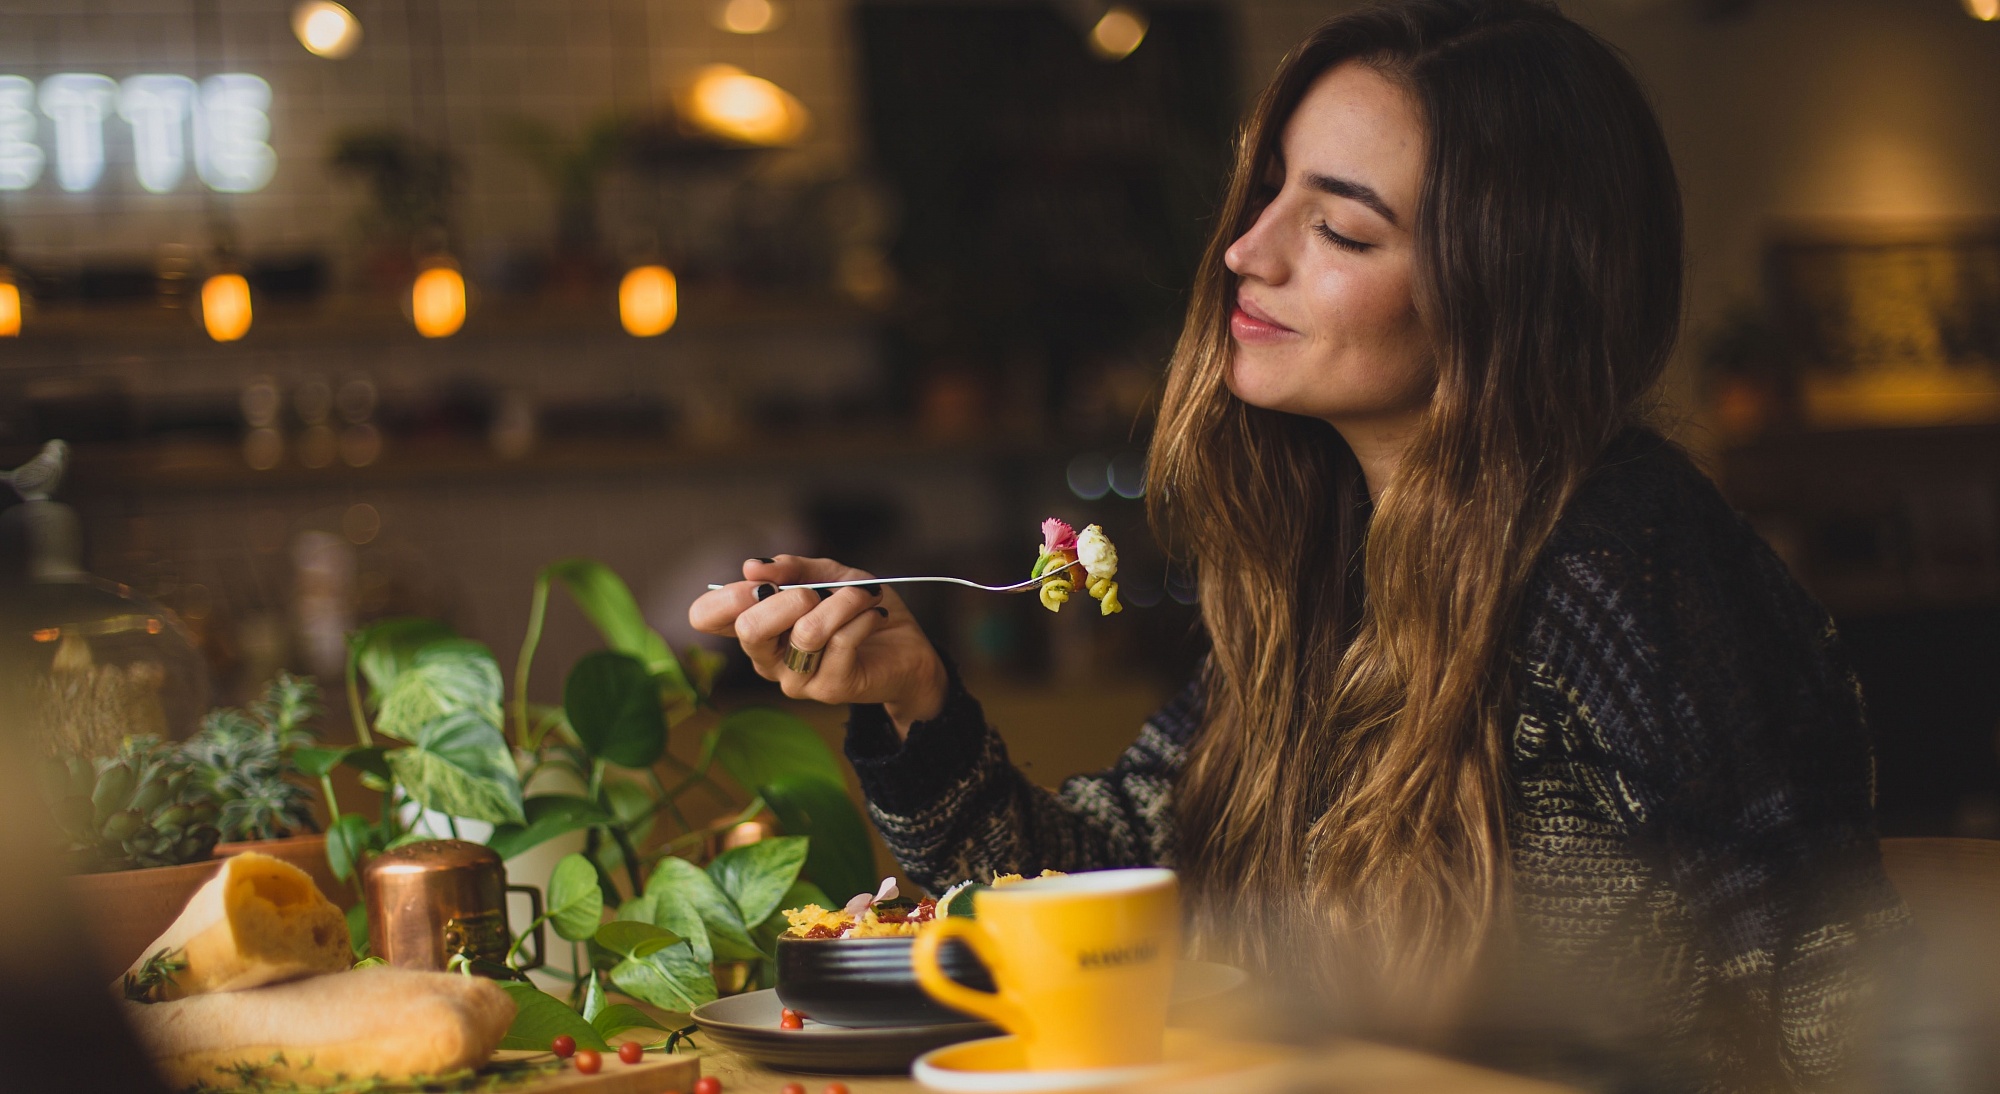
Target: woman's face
1323	323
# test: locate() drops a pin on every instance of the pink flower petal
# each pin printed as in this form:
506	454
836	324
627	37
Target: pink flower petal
1057	536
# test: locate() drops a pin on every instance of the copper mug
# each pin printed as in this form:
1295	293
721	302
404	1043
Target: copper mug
432	900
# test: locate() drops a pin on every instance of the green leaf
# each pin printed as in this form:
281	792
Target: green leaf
632	805
357	929
443	679
385	650
346	843
461	766
373	760
549	816
315	763
676	913
841	859
576	904
593	997
619	1017
607	601
674	978
728	938
756	877
614	706
635	938
961	902
539	1018
370	963
759	746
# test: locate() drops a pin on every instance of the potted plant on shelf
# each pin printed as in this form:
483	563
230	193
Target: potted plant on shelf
433	733
247	759
143	825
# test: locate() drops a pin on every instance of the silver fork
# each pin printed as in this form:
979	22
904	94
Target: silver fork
1017	587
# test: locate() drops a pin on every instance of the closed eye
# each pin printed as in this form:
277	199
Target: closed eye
1341	241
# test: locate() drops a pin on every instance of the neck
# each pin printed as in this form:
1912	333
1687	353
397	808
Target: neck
1378	445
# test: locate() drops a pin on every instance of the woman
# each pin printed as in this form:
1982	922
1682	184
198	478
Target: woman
1503	702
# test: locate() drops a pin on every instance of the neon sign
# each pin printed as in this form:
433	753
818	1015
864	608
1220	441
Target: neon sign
229	115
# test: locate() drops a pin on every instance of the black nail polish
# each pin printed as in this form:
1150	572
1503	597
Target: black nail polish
765	591
824	593
767	561
872	590
881	611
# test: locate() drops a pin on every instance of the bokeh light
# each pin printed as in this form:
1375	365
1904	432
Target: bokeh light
437	301
1118	33
326	29
225	306
648	301
725	101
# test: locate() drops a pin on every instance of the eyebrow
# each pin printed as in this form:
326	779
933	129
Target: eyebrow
1347	188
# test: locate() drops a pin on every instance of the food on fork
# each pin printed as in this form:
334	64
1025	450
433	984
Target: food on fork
1063	547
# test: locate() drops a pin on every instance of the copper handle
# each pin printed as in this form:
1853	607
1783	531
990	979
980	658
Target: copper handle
535	916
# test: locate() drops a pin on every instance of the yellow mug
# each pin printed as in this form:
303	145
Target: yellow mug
1084	965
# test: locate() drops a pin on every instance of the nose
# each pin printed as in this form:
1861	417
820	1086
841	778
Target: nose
1255	254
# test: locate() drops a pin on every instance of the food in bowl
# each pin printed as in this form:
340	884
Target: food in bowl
850	966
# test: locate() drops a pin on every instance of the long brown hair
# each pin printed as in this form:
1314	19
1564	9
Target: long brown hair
1349	784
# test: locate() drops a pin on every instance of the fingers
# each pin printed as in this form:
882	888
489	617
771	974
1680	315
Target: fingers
837	667
716	611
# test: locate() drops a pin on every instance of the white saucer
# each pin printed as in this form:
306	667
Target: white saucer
994	1066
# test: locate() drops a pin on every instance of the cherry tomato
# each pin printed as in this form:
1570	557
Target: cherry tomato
631	1052
794	1088
835	1088
791	1019
588	1061
708	1084
564	1046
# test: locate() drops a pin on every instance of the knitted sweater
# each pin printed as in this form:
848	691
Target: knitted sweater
1695	872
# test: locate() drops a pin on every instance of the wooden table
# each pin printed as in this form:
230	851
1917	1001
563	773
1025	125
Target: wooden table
1346	1067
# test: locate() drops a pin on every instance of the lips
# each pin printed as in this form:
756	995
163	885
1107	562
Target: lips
1250	323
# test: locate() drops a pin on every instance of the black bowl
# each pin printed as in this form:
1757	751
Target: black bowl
868	982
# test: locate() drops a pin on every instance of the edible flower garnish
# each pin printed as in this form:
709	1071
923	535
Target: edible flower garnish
1062	548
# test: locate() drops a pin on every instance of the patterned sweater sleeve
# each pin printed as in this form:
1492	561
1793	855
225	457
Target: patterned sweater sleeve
951	806
1732	741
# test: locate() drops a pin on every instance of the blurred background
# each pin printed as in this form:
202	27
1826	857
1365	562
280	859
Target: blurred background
350	313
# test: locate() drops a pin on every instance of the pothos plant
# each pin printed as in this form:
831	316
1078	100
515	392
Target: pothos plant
440	735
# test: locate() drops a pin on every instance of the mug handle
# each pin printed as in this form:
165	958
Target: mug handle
535	910
993	1006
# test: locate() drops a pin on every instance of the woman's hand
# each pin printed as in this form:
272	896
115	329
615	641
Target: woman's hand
874	650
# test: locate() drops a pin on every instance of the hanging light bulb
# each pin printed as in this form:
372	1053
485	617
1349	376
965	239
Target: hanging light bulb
725	101
1117	33
437	300
225	306
648	301
10	305
326	29
1986	11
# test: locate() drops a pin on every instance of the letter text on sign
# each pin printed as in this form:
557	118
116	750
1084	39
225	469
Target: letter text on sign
157	107
20	157
77	102
230	133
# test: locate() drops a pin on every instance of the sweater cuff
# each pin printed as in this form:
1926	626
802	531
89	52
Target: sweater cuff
904	777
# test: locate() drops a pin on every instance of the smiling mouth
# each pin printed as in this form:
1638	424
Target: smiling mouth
1250	323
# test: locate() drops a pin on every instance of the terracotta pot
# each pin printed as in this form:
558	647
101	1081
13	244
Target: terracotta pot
307	852
126	909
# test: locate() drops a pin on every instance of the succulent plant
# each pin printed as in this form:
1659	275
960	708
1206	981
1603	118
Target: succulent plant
144	806
243	756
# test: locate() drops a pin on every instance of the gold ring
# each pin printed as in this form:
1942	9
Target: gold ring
803	662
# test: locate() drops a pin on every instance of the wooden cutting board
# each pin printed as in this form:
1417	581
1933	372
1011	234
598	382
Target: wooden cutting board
656	1074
